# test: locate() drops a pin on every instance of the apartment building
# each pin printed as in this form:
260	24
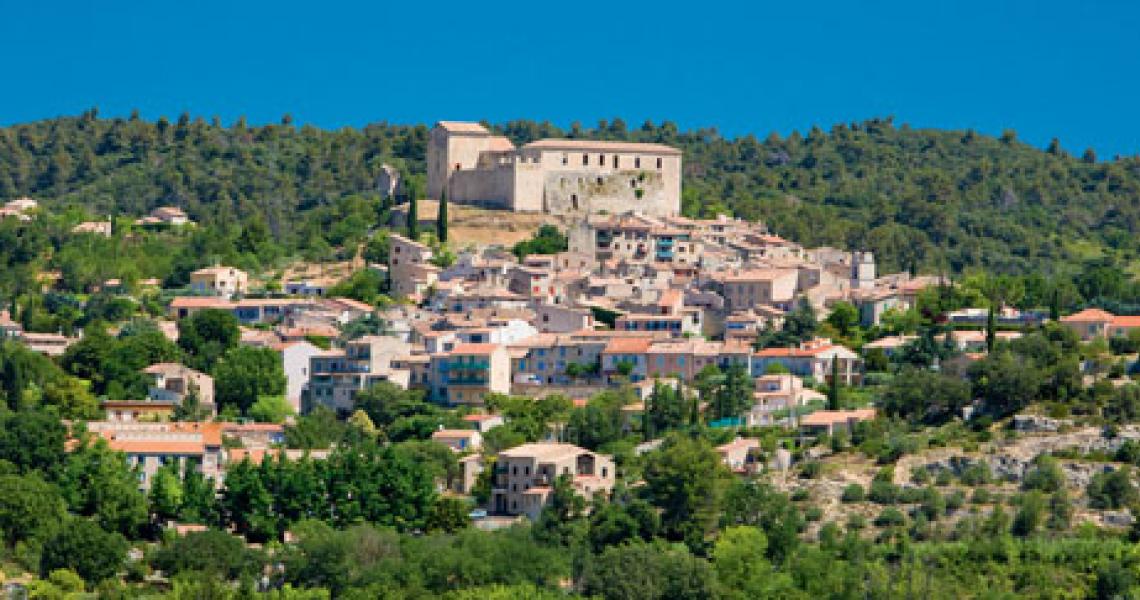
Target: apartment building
335	376
468	372
173	382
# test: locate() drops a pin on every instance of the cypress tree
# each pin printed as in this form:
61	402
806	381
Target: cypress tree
413	214
991	329
441	218
833	390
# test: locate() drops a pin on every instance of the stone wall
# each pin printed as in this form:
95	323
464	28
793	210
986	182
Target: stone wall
568	192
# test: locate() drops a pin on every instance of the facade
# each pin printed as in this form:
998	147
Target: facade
225	282
173	382
748	289
468	372
556	176
831	421
525	476
459	440
335	376
811	359
296	358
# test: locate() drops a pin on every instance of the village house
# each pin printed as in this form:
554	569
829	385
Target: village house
810	359
173	382
459	440
832	421
224	282
525	475
739	455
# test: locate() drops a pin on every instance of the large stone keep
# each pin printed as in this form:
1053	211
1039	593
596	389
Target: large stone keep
555	176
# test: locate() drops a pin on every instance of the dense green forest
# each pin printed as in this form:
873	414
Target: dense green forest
929	200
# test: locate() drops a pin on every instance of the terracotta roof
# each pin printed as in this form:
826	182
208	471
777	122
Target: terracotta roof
758	275
835	417
1126	321
200	302
156	447
620	345
1089	315
454	433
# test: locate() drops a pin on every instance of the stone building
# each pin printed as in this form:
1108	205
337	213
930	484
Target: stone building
556	176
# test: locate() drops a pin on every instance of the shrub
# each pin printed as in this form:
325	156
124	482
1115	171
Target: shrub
811	469
890	517
1046	475
1112	490
853	493
883	492
976	474
856	522
981	496
813	513
920	475
800	495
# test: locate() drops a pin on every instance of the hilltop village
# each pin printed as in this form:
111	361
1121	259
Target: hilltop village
620	374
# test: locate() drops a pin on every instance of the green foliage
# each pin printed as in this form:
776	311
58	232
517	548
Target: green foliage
206	336
270	409
1112	490
246	374
82	546
30	508
212	553
647	571
924	397
547	240
97	483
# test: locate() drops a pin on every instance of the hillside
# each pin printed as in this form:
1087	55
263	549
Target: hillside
921	199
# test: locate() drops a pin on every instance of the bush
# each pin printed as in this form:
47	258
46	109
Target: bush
853	493
1046	475
856	522
955	500
920	475
1112	490
813	514
883	492
944	478
811	469
976	474
890	517
800	495
981	496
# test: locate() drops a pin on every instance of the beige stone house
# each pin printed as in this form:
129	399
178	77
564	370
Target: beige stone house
225	282
525	475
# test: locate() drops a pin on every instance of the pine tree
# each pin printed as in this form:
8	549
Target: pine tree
833	390
441	219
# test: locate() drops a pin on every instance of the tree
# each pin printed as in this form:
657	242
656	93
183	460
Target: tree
84	547
991	329
32	441
211	552
270	409
207	335
686	479
833	387
97	483
646	572
547	240
1029	513
441	218
245	374
413	224
924	397
844	317
449	515
30	508
165	496
1112	490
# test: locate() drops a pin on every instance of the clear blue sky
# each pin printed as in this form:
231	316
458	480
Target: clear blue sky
1043	68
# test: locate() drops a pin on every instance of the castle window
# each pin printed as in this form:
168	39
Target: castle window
637	162
615	161
585	159
565	159
574	200
599	181
659	162
632	183
601	160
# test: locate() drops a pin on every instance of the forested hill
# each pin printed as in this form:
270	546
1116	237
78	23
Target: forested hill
925	199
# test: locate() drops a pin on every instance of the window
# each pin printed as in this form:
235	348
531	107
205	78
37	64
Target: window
565	159
659	161
637	162
601	160
599	181
616	161
574	201
632	183
585	159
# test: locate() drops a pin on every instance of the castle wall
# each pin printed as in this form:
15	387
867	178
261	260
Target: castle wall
489	188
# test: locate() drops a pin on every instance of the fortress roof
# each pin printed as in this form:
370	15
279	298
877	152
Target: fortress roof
462	127
601	146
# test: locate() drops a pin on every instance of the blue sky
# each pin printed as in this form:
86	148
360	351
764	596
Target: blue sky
1043	68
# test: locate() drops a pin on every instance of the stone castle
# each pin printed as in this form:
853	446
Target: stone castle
557	176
